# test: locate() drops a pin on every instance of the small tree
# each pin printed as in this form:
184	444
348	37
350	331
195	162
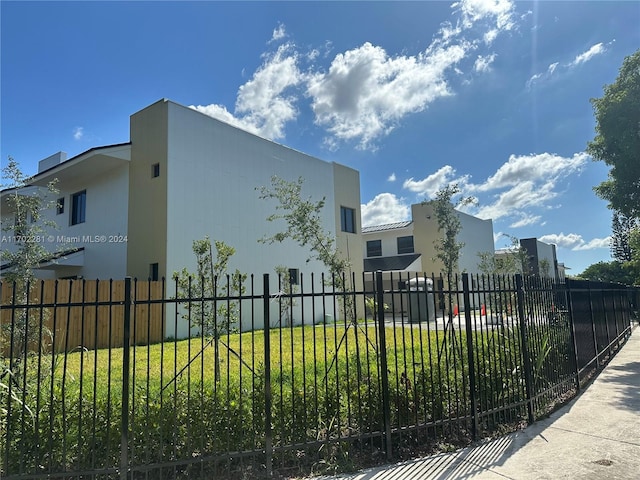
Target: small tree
447	246
211	281
621	228
27	231
304	226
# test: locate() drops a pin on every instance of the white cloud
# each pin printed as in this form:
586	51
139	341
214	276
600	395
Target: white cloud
520	187
535	168
392	178
365	92
539	77
573	241
263	106
526	219
78	133
596	49
483	63
428	186
385	208
278	33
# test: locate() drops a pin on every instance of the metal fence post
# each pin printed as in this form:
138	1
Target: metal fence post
528	377
473	395
572	332
384	373
124	429
268	447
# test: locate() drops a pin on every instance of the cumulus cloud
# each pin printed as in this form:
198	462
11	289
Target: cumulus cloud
391	178
517	190
573	241
263	105
385	208
428	186
541	167
78	133
539	77
365	92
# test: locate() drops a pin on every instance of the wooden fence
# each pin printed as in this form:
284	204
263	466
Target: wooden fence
81	314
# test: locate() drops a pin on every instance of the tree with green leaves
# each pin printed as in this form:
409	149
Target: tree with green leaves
509	261
286	291
27	230
447	246
617	140
621	228
614	271
211	281
303	221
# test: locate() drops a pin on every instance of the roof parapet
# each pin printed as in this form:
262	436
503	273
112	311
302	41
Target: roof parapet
51	161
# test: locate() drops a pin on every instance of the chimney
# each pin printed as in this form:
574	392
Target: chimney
51	161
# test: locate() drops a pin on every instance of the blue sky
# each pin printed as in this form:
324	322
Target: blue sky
490	94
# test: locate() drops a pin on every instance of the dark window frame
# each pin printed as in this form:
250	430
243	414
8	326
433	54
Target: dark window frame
402	249
78	212
347	219
155	170
374	248
60	206
154	269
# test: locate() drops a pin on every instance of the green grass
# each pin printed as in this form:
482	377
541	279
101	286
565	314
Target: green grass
179	411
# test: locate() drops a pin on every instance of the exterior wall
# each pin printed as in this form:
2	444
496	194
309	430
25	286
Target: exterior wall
212	173
101	235
539	254
347	194
388	240
148	195
476	234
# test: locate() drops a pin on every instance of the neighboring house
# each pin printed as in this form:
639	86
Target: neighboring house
408	247
543	260
135	208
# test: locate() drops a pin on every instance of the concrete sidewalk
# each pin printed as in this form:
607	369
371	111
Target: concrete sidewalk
594	437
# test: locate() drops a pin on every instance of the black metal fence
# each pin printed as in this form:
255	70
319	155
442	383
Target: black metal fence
260	387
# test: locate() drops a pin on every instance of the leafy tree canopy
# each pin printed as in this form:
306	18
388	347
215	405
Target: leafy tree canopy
617	140
614	271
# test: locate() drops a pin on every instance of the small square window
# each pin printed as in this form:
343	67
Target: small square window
155	170
78	207
374	248
60	206
153	272
348	219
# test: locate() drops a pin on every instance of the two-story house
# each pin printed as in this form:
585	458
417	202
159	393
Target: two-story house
135	208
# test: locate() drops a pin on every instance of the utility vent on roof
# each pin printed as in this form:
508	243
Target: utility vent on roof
51	161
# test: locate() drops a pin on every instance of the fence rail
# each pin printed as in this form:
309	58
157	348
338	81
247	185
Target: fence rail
286	379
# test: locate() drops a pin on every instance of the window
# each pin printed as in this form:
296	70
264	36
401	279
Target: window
374	248
60	206
78	207
405	244
294	276
153	272
347	219
155	170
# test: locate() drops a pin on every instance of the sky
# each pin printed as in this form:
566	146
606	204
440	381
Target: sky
491	95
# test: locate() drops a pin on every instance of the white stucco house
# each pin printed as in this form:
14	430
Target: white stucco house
135	208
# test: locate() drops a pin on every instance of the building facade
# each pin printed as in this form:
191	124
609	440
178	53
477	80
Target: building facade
134	209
